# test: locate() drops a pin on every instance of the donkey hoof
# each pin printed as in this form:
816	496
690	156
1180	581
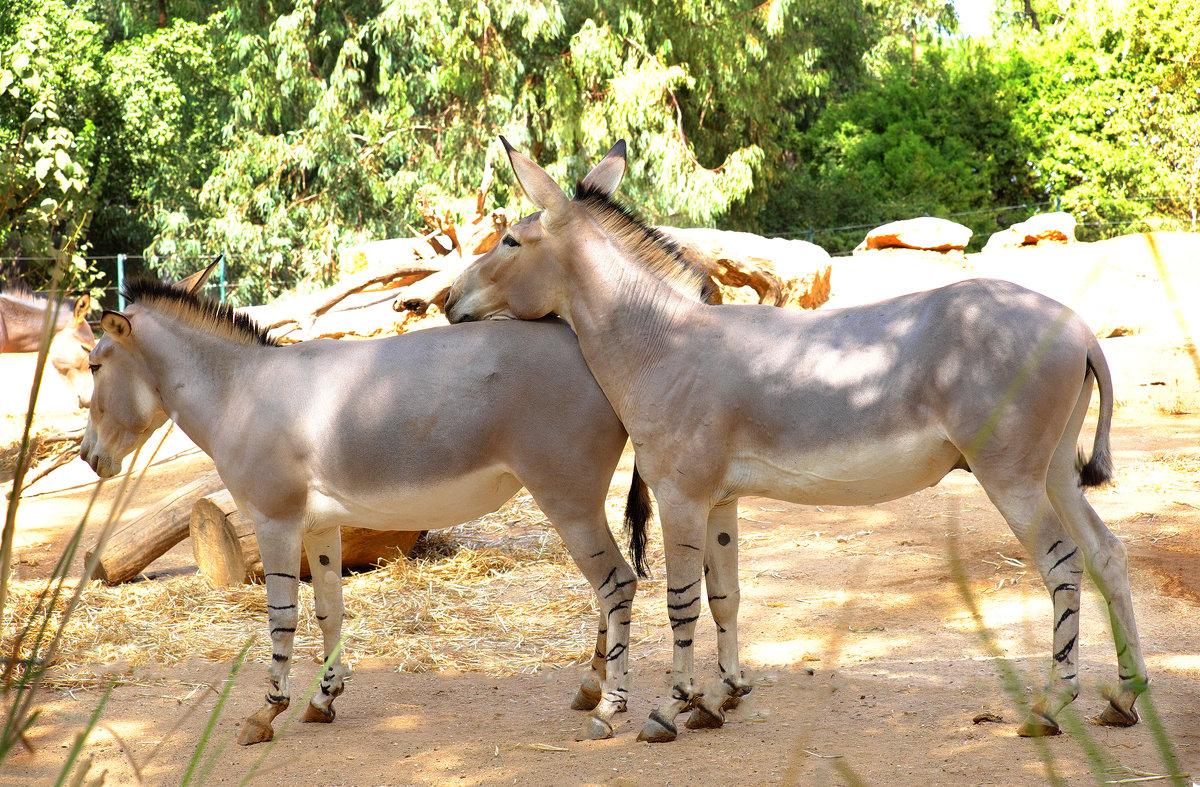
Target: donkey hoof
254	731
585	700
657	730
595	729
1038	726
703	717
314	714
1114	716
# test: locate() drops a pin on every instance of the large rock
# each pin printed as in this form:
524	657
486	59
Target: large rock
925	233
781	272
1057	227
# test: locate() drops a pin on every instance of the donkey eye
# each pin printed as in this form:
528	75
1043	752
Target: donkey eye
95	367
509	240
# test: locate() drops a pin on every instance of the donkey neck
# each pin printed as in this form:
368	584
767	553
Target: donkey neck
628	321
195	373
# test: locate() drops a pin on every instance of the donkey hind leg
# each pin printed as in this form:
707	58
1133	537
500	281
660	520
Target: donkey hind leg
1105	560
683	541
280	545
591	687
324	550
724	596
584	530
1060	565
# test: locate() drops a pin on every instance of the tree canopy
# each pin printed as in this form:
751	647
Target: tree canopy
281	132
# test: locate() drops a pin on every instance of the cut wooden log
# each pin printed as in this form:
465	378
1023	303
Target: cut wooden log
136	544
227	551
781	272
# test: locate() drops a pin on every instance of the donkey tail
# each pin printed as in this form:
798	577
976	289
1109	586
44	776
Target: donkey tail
1097	471
638	510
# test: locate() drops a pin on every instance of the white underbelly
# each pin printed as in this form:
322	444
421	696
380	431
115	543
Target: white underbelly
871	471
443	503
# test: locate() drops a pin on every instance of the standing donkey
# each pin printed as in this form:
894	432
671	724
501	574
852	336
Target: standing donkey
411	432
844	407
23	314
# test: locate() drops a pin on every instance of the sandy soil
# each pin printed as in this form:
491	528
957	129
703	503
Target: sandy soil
869	667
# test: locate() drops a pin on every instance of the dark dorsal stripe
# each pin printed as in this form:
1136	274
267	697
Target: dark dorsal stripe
644	244
219	319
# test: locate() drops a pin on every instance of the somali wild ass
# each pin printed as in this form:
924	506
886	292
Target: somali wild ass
23	316
412	432
844	407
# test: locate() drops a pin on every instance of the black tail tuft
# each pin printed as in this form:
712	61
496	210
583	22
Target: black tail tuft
1096	471
638	510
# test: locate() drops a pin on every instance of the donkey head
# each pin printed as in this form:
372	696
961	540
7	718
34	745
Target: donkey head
125	408
69	351
522	277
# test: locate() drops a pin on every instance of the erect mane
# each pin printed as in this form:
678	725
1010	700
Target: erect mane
647	246
20	291
206	315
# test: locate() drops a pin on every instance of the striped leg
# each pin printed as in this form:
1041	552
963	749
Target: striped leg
1105	559
581	524
280	545
683	540
324	550
724	596
1060	564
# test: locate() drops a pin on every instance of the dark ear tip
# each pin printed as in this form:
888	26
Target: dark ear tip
620	147
507	147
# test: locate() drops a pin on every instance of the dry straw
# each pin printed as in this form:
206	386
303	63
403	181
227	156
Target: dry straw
499	595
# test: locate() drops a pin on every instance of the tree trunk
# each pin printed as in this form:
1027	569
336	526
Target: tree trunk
227	550
136	544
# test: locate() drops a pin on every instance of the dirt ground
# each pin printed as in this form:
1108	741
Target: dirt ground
869	667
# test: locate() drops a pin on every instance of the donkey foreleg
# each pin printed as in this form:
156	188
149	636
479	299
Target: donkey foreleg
324	550
724	596
683	541
280	545
605	688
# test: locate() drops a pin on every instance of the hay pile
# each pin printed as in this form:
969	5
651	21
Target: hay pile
499	595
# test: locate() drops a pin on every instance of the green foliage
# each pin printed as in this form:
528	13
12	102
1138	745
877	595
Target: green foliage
282	132
48	138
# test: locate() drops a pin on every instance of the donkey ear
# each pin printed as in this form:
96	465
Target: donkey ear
606	176
116	325
82	307
539	187
193	283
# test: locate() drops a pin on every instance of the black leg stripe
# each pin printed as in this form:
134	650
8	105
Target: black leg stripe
690	546
684	605
684	589
722	597
1065	586
1064	559
677	622
683	643
281	574
1054	547
282	630
1066	614
617	586
1062	655
279	657
281	606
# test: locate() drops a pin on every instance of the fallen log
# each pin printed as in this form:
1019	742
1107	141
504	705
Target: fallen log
136	544
227	551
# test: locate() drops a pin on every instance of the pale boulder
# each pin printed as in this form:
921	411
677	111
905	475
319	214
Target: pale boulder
1056	227
926	233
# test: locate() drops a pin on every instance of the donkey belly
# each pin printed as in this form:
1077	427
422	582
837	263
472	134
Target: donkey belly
407	505
867	471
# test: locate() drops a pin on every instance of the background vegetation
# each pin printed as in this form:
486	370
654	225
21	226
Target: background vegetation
281	131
